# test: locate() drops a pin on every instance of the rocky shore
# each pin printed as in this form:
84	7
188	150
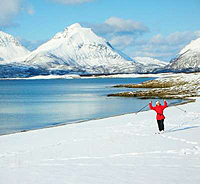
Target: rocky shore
179	86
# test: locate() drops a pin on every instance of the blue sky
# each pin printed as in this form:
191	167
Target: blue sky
154	28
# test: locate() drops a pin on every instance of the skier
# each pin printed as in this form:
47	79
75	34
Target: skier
160	117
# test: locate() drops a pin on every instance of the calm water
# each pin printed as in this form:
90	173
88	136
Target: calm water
32	104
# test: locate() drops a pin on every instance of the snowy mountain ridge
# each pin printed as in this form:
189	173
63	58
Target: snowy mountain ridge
188	59
10	47
193	46
80	50
150	64
76	50
146	61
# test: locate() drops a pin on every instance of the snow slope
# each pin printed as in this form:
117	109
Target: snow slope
150	64
10	47
188	58
80	50
194	46
123	149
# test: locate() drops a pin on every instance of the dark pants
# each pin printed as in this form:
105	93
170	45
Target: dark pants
160	124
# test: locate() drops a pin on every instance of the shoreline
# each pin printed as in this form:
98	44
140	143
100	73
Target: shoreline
94	119
77	76
182	86
129	95
183	101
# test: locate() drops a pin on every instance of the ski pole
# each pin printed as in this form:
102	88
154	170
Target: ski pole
177	107
180	109
141	108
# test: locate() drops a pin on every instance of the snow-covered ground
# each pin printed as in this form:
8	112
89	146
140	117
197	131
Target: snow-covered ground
118	150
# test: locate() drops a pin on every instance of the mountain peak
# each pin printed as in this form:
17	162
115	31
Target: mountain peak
74	26
194	45
10	47
6	40
76	34
188	59
69	30
79	50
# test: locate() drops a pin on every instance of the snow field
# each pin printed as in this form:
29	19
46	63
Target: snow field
118	150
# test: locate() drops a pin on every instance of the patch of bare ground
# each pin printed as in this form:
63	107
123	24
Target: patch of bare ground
168	88
152	84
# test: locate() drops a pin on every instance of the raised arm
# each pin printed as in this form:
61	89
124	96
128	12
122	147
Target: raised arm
150	105
165	104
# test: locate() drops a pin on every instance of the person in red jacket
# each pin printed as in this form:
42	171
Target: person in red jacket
159	110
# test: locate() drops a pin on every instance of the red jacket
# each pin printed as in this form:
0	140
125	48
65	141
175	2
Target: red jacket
159	109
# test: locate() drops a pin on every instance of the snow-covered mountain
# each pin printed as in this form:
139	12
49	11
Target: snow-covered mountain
149	64
75	50
10	47
80	50
188	59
